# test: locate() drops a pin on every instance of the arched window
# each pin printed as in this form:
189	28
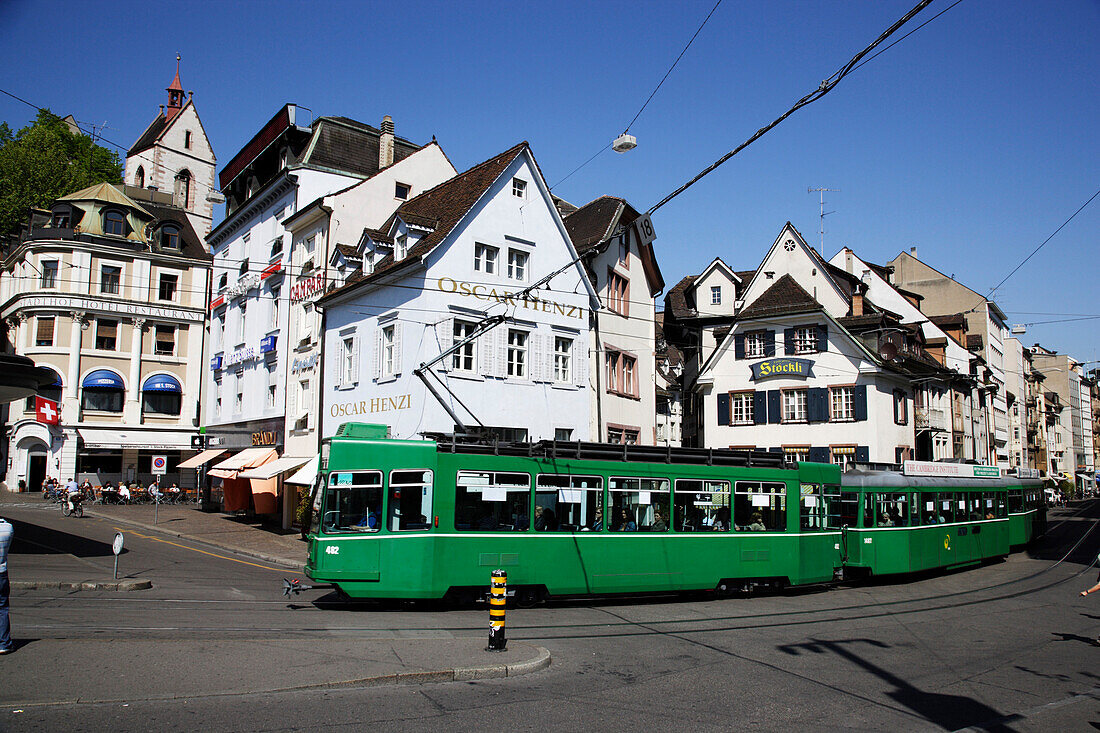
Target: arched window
183	189
161	395
170	236
114	223
139	179
102	390
50	392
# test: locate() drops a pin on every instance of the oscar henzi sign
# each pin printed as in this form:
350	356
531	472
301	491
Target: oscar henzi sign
481	292
799	368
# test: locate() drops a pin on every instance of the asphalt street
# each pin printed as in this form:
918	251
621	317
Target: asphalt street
1004	646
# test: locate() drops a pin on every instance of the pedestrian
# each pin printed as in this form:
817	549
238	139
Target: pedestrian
6	532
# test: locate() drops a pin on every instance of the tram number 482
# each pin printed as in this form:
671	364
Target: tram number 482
332	550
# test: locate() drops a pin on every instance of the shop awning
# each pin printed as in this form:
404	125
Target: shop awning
147	440
274	468
307	473
162	383
201	459
248	458
104	378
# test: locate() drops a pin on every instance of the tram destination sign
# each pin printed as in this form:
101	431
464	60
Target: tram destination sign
952	470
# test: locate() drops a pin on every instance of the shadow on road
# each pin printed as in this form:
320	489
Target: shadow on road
32	539
951	712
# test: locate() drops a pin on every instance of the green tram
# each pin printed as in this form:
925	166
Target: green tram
424	519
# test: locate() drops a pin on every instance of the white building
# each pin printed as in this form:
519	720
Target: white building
626	277
445	261
290	162
174	156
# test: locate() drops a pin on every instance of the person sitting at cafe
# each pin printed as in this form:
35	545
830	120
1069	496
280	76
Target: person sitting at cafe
124	493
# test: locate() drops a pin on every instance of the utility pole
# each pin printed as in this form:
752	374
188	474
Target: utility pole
821	198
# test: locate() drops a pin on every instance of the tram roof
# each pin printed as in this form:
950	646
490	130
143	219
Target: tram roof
897	480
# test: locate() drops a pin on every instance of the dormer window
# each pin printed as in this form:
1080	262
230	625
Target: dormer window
401	191
60	220
170	236
401	247
114	223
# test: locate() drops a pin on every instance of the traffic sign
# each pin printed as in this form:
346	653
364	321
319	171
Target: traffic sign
160	465
643	226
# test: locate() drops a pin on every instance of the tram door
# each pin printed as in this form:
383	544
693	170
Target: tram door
949	509
36	471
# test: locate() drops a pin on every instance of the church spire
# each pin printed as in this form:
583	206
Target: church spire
175	93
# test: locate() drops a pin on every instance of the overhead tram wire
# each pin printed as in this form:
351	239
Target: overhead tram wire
648	99
824	88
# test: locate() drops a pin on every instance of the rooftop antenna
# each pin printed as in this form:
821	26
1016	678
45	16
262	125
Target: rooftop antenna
821	198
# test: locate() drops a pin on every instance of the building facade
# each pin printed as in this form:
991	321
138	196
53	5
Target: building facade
108	290
446	262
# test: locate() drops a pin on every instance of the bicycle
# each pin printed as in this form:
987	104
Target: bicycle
73	505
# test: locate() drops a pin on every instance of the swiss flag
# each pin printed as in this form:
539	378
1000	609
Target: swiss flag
45	411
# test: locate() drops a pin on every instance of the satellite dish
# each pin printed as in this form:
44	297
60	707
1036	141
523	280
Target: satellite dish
888	351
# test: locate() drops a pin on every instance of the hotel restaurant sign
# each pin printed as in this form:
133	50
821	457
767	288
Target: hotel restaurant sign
773	368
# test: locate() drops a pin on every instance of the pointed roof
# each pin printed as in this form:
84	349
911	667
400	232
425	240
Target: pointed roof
150	136
105	193
592	223
785	297
175	86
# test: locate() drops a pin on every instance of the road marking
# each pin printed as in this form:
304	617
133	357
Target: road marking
212	554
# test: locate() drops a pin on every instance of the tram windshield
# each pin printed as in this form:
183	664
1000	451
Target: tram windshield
353	502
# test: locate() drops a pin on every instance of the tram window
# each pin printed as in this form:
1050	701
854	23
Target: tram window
410	502
844	512
1002	506
701	506
639	504
812	507
353	502
891	510
566	503
759	506
492	500
974	501
868	510
1015	500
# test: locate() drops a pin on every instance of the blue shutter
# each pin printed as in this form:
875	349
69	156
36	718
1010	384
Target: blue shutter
863	454
775	450
788	341
822	337
760	407
775	406
724	408
817	404
738	346
859	402
818	455
769	343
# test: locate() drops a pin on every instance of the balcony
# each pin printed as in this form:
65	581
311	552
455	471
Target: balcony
930	418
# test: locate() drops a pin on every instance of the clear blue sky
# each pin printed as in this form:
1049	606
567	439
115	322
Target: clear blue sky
973	139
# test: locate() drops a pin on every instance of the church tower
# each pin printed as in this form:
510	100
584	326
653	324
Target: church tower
174	156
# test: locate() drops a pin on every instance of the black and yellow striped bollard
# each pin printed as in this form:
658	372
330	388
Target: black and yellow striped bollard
497	598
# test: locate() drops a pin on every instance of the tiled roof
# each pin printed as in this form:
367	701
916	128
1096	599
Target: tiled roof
677	298
745	275
593	221
343	144
150	136
784	297
190	243
349	251
953	319
446	205
377	235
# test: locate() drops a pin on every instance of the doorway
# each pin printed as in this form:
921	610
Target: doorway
36	471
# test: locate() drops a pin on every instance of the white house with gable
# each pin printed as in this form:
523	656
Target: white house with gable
445	261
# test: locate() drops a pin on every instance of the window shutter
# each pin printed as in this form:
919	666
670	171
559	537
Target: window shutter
291	401
760	408
536	354
354	360
822	337
338	366
817	404
580	361
788	341
724	408
775	406
863	454
818	455
485	346
378	353
769	343
398	327
447	340
859	402
45	330
739	346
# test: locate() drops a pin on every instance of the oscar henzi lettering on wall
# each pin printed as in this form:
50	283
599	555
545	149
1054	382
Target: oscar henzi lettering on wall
481	292
375	404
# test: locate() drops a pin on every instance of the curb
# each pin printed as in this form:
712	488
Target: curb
467	674
116	585
273	559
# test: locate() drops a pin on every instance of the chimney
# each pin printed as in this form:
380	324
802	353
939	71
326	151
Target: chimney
385	143
857	304
913	252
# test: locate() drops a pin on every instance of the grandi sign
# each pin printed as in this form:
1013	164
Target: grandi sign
772	368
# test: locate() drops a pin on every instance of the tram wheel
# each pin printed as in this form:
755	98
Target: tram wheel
528	597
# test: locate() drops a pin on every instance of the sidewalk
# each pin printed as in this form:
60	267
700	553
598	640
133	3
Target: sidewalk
247	537
54	671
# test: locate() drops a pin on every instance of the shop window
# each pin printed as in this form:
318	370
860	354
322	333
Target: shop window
161	403
103	399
